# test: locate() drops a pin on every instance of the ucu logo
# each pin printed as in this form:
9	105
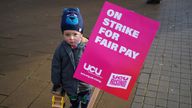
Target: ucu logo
92	69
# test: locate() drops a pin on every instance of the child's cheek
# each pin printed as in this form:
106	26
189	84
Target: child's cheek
79	39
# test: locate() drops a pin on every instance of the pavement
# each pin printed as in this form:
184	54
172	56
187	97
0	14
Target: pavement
30	32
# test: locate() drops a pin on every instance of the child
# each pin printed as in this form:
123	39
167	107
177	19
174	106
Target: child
66	59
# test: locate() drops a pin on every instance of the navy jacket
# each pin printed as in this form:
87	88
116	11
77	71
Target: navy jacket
64	63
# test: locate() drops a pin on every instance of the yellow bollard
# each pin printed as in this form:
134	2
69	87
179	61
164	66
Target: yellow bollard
58	101
62	101
53	100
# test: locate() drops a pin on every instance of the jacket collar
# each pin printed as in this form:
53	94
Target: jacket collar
69	51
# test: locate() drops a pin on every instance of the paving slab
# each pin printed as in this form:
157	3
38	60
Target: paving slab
25	94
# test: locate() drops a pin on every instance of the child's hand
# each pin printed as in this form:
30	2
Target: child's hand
56	86
84	40
57	89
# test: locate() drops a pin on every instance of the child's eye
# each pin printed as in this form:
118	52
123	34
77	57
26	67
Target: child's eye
75	34
67	34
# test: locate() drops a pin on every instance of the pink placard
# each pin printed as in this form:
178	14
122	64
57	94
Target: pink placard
116	50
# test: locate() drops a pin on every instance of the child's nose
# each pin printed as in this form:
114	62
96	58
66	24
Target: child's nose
71	37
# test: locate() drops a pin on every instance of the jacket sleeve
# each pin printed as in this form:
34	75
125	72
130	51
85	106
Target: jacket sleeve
56	67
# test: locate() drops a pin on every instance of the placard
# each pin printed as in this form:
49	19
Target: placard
117	48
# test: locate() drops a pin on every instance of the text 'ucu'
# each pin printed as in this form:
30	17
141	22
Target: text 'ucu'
92	69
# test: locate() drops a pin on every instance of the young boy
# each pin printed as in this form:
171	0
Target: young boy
66	59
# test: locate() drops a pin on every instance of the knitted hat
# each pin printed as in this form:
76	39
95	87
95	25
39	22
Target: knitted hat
72	20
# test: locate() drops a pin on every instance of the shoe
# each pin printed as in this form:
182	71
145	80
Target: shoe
153	1
157	1
149	2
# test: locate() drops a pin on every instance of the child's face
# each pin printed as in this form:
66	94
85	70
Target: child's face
72	37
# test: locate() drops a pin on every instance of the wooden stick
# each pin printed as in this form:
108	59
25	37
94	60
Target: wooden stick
93	98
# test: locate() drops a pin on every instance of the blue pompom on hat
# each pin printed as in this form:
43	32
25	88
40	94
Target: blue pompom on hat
72	20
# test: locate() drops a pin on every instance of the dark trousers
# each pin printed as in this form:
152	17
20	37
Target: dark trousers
81	99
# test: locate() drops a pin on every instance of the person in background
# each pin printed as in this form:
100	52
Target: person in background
153	1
